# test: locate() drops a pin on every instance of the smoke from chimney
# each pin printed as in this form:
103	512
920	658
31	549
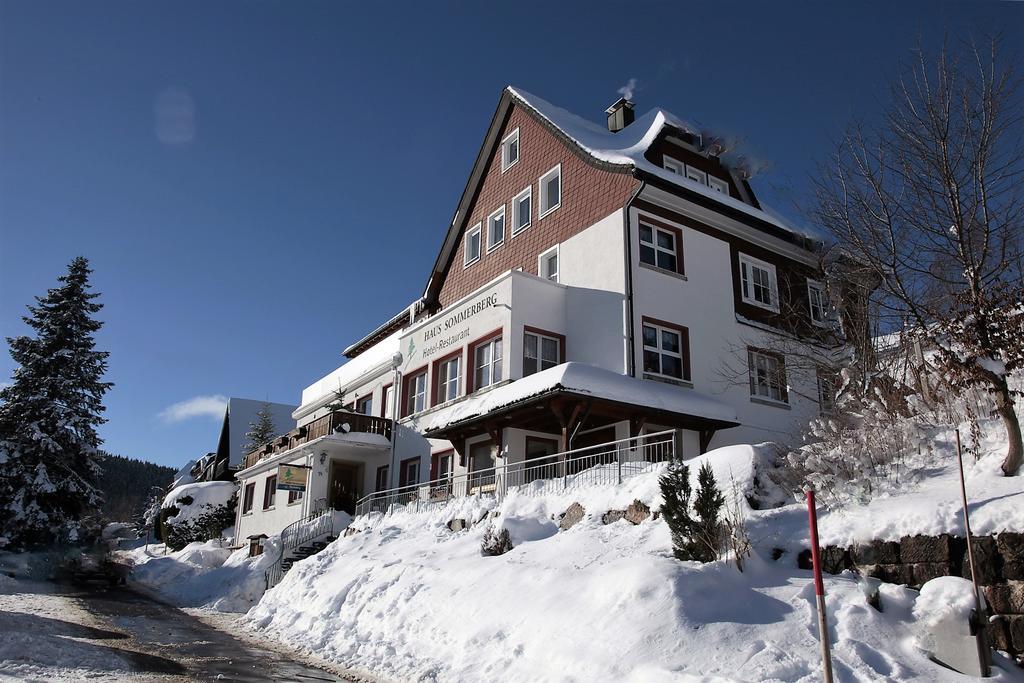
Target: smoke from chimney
628	89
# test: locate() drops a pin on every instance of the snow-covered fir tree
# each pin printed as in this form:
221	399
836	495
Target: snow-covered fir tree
261	430
49	462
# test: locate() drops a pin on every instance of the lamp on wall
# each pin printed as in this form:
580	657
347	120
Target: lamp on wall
323	457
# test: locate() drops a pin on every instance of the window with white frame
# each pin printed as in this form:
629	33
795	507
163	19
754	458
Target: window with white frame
757	283
674	165
496	229
767	376
550	190
448	379
696	175
663	351
416	393
471	249
487	364
540	352
389	401
718	184
659	247
510	150
817	302
522	210
547	264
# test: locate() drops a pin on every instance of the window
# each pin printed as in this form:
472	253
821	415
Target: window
522	210
481	465
447	373
247	498
550	190
547	264
767	376
665	350
696	175
718	184
540	352
269	492
441	465
295	496
496	229
388	404
381	481
416	392
487	363
364	405
471	250
674	165
826	391
816	299
757	282
660	248
409	473
510	150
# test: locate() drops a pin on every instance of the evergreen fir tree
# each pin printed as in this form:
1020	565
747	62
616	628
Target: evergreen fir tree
261	430
675	489
707	505
49	462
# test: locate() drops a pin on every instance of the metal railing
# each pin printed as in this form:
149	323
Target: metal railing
323	426
317	524
600	465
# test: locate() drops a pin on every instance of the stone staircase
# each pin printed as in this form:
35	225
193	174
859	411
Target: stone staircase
304	551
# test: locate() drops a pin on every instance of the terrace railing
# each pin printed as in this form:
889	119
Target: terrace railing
603	464
328	424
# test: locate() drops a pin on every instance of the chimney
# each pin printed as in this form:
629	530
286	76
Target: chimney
620	115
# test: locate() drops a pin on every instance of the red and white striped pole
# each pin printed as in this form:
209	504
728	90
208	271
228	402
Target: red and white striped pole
819	588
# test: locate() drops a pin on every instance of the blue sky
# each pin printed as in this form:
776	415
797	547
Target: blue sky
259	184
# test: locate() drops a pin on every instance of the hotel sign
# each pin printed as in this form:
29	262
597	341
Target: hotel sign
457	326
292	477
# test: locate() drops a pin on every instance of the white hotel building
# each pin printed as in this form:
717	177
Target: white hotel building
593	285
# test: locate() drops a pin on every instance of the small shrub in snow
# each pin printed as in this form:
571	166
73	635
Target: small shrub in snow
495	542
693	538
707	533
675	489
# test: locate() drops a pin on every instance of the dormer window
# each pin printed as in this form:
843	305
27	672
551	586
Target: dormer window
696	175
718	185
510	150
674	165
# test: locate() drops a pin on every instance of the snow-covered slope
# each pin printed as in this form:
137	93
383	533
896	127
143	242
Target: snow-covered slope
410	600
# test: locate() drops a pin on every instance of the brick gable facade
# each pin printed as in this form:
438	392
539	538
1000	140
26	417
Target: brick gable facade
589	194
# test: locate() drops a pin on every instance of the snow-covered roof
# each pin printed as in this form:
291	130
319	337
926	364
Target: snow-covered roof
627	147
352	371
587	380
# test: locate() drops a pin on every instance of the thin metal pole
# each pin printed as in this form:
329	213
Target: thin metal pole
980	635
819	589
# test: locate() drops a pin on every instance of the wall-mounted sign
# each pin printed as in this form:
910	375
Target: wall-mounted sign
457	326
292	477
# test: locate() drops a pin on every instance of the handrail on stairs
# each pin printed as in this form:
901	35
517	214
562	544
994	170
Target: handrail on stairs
319	522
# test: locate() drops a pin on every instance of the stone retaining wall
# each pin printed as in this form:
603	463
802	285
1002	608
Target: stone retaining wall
914	560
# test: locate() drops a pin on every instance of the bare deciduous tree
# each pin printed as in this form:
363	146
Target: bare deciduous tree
931	202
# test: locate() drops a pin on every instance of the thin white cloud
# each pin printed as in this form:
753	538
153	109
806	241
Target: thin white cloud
197	406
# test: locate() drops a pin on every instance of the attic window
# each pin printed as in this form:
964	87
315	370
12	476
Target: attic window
718	184
696	175
510	150
471	249
674	165
550	191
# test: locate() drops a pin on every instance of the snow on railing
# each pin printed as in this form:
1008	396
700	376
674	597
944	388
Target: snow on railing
600	465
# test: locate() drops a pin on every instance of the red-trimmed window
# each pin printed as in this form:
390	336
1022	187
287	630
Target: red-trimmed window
441	465
487	357
381	482
666	349
447	378
387	402
269	492
415	392
365	405
767	376
409	472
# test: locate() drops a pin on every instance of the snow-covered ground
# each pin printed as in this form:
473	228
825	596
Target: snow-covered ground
408	599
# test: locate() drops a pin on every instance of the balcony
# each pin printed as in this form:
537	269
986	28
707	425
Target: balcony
324	426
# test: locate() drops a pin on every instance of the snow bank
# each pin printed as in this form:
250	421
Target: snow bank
410	600
208	493
205	575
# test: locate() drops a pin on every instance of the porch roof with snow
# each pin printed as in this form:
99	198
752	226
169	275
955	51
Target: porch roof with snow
586	392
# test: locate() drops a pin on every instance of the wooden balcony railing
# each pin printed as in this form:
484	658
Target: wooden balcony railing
328	424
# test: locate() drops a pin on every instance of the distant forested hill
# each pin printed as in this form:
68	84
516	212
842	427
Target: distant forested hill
126	483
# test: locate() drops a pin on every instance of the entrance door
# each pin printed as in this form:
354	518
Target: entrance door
344	487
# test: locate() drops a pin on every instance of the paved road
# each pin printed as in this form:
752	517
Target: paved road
168	644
